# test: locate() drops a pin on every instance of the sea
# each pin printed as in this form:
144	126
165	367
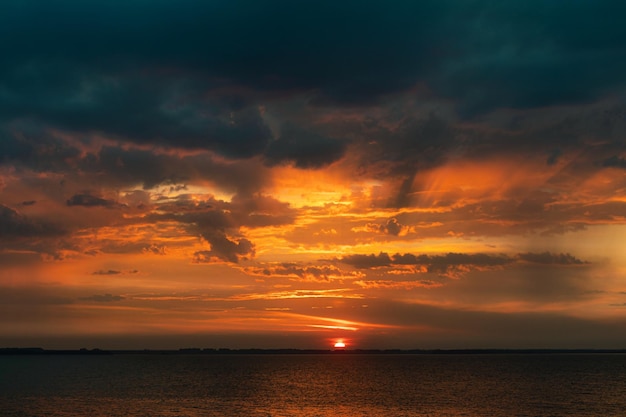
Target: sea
451	385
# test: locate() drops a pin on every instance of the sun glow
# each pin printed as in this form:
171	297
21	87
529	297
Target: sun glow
339	344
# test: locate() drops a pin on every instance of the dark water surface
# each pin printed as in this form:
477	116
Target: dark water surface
500	385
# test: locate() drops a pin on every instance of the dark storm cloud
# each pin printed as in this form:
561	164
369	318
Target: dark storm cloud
30	145
276	45
535	53
529	52
177	72
305	149
199	75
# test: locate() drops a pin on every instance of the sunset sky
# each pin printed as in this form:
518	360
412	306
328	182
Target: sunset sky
284	174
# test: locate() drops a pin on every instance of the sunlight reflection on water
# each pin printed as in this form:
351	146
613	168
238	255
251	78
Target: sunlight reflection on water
313	385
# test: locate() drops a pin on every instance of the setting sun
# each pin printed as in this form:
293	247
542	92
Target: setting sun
340	344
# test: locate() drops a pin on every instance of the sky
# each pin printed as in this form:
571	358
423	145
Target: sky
280	174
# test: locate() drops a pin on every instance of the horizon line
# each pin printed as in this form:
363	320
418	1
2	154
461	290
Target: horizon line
235	351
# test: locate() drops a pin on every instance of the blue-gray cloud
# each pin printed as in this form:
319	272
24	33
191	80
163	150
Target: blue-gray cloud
514	54
195	75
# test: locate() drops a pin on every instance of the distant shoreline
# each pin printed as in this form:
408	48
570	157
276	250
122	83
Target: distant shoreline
224	351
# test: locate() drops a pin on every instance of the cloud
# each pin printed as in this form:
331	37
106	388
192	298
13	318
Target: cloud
138	114
301	271
155	249
224	248
113	272
402	285
434	263
305	149
218	222
615	162
133	166
32	299
260	210
478	259
522	329
390	227
88	200
113	79
523	60
107	272
547	258
30	144
103	298
15	225
367	261
451	265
